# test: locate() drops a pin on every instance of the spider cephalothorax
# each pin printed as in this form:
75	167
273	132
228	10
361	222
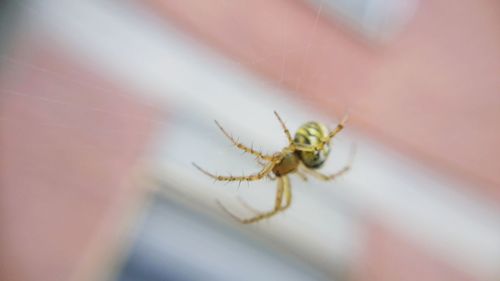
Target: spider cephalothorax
305	153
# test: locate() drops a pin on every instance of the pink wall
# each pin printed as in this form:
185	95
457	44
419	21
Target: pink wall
68	150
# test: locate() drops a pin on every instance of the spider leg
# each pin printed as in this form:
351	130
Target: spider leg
333	176
285	129
301	175
339	127
262	173
246	205
243	147
320	145
329	177
283	188
270	176
288	193
227	211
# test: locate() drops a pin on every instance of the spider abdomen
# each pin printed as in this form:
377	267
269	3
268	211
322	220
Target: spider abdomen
311	134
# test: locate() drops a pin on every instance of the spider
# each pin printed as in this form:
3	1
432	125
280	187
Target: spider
304	154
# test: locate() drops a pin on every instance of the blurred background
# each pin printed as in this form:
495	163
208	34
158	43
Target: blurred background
104	105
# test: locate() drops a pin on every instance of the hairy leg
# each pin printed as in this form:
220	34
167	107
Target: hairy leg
263	164
242	146
262	173
282	189
285	129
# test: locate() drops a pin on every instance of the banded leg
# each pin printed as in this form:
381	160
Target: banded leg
264	172
285	129
283	184
243	147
